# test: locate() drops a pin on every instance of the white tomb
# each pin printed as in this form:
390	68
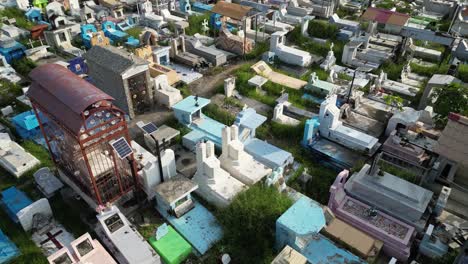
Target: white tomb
288	54
126	244
229	86
48	234
237	162
215	184
329	61
279	117
332	128
148	172
14	158
164	93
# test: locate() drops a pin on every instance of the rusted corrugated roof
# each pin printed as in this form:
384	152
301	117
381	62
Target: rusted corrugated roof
385	16
63	94
231	10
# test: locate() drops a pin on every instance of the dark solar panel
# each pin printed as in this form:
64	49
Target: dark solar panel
149	128
122	148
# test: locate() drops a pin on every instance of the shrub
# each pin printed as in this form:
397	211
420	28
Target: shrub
249	224
260	48
463	72
195	24
134	32
429	71
449	98
392	69
322	29
8	92
23	66
21	21
219	114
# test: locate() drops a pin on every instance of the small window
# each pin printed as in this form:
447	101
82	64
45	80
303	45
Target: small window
84	247
62	37
181	201
89	16
61	22
62	259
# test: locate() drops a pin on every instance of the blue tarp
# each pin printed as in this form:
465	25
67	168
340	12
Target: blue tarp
8	250
13	201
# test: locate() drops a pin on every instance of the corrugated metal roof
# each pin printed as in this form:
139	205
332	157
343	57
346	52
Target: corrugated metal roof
63	94
385	16
112	58
231	10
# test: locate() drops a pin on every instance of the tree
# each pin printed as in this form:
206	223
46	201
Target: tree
394	101
450	98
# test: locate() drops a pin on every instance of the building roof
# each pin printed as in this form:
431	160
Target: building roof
231	10
188	104
385	16
304	217
63	94
112	58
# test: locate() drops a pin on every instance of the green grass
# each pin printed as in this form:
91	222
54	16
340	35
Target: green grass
463	72
392	69
134	32
233	102
259	49
23	66
8	92
249	224
429	71
21	21
195	24
184	90
218	114
322	29
401	173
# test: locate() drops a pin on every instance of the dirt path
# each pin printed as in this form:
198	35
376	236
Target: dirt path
205	86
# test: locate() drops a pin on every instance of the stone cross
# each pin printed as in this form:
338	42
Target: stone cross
205	27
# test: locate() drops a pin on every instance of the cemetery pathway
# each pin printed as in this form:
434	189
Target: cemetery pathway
206	85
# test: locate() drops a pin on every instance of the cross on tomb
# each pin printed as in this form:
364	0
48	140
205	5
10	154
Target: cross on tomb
52	237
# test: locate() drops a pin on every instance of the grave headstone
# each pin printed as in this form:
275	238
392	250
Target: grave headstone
8	110
161	231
